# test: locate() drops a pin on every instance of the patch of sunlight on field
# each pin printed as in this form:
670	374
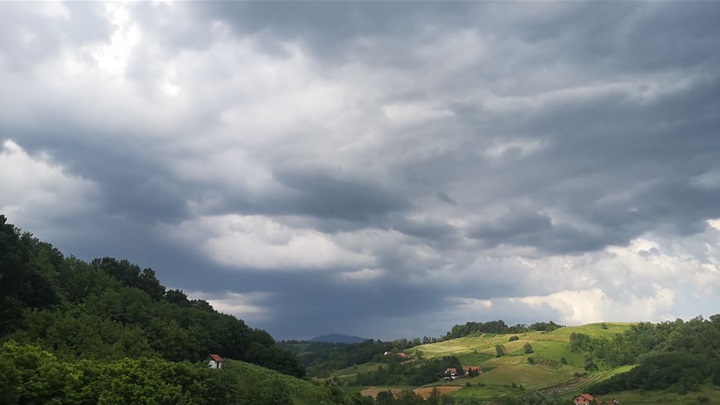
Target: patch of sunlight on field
530	376
372	392
486	392
485	343
425	392
593	329
360	368
614	372
474	358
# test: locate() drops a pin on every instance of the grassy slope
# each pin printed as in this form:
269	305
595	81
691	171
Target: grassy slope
501	373
303	392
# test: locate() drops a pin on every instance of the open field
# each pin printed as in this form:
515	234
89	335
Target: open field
360	368
530	376
548	344
442	389
373	391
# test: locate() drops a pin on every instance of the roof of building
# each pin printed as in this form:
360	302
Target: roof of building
451	371
216	358
587	396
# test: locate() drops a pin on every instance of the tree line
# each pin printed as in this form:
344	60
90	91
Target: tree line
498	327
322	358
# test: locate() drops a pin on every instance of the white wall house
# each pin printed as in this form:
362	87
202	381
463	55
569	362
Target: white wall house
215	361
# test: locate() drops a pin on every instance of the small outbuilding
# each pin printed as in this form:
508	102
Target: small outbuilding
215	361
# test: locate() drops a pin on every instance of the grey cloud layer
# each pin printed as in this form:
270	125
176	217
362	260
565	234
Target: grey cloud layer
448	144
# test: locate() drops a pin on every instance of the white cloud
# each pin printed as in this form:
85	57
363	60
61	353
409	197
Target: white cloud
34	188
362	275
593	305
259	242
414	114
246	306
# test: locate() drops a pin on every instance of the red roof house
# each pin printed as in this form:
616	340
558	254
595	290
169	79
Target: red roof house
584	399
215	361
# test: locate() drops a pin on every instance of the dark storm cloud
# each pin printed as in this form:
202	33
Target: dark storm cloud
536	230
326	28
445	198
130	183
319	193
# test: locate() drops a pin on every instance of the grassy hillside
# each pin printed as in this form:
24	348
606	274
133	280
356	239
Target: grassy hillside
480	348
511	373
303	392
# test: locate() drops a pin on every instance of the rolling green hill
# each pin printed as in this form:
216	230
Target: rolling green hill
556	370
673	362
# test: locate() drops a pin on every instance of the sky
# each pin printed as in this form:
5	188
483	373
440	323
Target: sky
381	169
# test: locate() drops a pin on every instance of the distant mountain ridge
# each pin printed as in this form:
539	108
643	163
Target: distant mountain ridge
338	338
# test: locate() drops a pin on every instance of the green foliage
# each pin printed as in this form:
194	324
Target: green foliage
527	348
321	358
675	371
679	356
498	327
513	338
410	374
111	309
529	398
500	350
589	363
27	273
31	375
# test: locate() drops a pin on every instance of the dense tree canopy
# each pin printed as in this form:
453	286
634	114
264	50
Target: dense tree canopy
499	327
674	355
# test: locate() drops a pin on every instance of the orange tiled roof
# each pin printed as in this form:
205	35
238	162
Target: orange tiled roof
216	358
